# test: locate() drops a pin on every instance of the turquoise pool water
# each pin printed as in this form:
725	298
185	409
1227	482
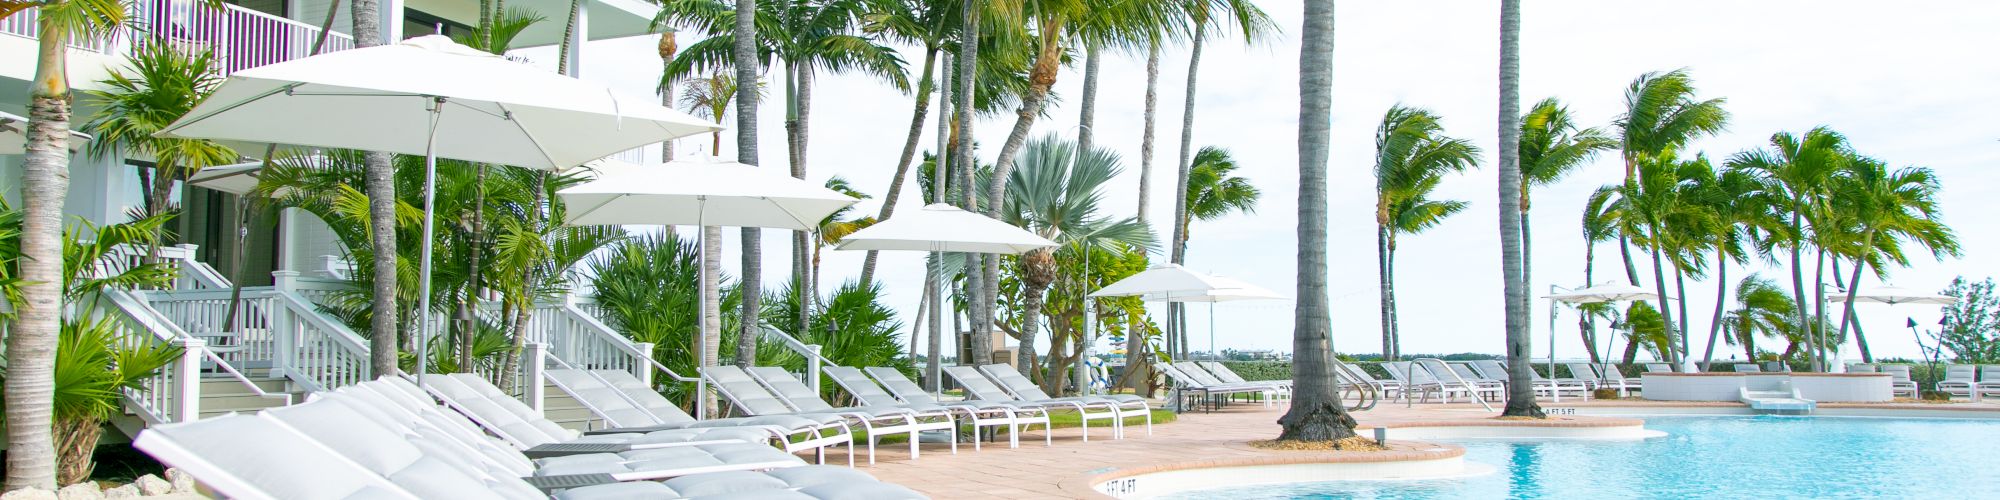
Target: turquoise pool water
1712	457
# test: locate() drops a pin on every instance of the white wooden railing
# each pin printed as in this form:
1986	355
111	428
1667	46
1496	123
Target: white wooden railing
241	38
174	393
275	328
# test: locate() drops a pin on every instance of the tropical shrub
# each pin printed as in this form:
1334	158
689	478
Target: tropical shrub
850	325
649	286
1970	331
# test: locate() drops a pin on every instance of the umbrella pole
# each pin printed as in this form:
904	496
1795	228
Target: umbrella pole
424	260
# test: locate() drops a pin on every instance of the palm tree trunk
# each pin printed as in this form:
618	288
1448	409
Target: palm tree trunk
1625	252
1660	285
1031	318
526	295
1040	79
1820	340
1680	290
1528	260
1799	284
1146	137
1316	413
711	305
1749	346
968	55
1087	115
1520	385
934	352
1388	303
1585	326
1631	348
1721	294
29	388
746	152
799	100
922	107
470	321
923	313
563	60
380	182
1179	250
1853	288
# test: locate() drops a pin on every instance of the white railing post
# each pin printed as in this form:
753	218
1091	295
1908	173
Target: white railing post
285	281
187	376
812	366
284	338
640	368
534	359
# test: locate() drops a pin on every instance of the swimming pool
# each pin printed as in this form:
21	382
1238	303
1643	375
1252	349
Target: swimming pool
1713	457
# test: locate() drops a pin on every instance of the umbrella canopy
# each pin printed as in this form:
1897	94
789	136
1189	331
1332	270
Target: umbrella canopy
1237	290
380	99
14	135
944	228
699	193
233	179
1607	292
1166	279
1894	295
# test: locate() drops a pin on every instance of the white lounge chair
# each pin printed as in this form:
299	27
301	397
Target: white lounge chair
979	388
1659	368
1192	392
1206	382
1023	389
613	389
1386	389
1989	381
979	413
880	420
1226	375
536	436
1900	383
1419	379
1959	380
1541	384
1747	368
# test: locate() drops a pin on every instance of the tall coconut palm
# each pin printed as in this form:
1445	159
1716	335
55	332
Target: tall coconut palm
1551	148
1213	191
743	49
1412	155
1316	413
1241	17
807	36
711	97
1743	225
31	342
1058	193
1887	206
1521	393
380	184
835	226
1662	115
667	48
1796	170
934	25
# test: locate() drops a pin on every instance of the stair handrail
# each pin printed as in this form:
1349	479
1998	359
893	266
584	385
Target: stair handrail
811	352
1470	390
315	375
170	394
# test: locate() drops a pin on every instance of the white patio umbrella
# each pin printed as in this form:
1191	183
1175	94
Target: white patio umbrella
944	228
699	193
14	135
1595	294
237	179
704	192
429	96
1168	282
1890	295
1238	290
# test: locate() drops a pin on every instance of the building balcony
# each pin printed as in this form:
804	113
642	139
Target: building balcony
240	38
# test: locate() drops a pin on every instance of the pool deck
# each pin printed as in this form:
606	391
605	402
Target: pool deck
1066	469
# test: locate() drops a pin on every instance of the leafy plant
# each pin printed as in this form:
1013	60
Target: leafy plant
1971	328
93	368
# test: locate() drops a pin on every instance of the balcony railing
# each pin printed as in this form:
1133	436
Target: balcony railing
240	38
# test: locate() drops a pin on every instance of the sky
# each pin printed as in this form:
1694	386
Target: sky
1909	85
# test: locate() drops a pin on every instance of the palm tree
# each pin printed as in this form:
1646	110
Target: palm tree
1411	157
1886	207
31	342
1551	148
710	97
1743	223
1056	194
1762	310
1242	17
1795	171
1662	115
807	36
743	49
1212	192
1316	413
668	48
1521	393
380	184
164	84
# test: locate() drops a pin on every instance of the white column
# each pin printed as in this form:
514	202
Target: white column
533	360
187	376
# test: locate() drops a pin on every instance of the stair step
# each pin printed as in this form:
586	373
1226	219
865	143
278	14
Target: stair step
232	386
